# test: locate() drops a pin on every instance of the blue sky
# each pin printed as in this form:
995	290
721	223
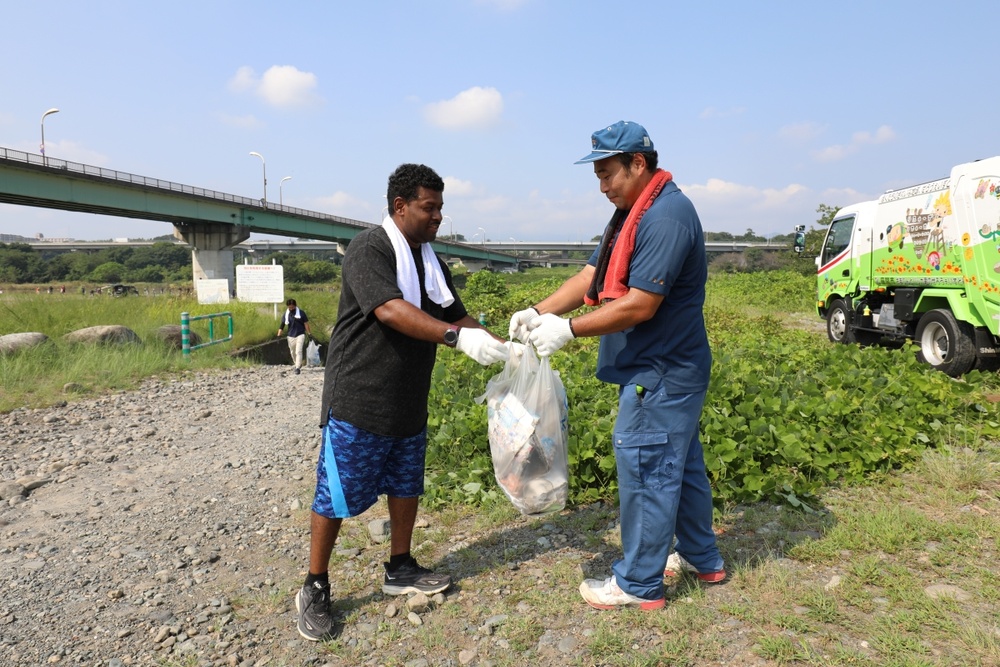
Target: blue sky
762	111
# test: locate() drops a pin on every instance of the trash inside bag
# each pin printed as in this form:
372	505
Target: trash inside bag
312	354
528	425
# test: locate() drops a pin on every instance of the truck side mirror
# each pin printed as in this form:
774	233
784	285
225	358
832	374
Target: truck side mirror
800	238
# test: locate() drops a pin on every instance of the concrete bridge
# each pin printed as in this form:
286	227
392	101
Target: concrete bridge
215	223
211	222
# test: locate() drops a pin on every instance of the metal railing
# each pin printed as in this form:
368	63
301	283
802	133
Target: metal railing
51	163
186	320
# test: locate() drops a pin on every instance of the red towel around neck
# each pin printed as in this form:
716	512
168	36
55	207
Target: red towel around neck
611	280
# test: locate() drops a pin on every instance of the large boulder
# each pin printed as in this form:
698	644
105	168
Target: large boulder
108	334
171	335
16	342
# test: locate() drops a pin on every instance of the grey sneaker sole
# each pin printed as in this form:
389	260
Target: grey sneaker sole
404	589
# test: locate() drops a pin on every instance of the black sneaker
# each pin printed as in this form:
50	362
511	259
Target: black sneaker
411	578
296	371
315	620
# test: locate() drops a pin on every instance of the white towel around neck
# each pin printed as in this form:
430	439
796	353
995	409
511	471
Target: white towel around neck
406	271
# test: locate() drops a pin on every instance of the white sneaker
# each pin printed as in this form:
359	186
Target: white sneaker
607	595
676	564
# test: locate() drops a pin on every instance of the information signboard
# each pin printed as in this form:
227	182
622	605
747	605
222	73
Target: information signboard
212	290
260	283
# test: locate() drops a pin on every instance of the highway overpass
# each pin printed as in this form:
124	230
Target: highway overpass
215	223
211	222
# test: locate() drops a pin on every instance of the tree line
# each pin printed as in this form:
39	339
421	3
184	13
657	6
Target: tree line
162	262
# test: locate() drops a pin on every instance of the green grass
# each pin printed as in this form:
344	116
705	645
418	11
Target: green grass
37	377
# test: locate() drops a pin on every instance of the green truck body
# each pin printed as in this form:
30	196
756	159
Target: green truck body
921	263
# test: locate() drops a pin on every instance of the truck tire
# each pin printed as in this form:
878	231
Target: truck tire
838	322
945	343
987	364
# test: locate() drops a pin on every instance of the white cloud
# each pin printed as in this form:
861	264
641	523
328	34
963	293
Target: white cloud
712	112
74	152
801	132
883	134
339	200
473	108
346	205
719	192
457	187
841	197
282	86
245	79
491	204
724	206
858	140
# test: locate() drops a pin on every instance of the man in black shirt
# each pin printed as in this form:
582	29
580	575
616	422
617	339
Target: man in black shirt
397	305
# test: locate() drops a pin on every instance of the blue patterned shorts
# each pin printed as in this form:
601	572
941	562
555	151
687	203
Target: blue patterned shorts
356	466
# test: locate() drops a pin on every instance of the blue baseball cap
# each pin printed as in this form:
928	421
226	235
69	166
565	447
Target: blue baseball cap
622	137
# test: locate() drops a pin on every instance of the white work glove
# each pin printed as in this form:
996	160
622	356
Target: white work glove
549	333
481	346
519	324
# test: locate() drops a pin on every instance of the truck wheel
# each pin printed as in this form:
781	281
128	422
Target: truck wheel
838	320
945	343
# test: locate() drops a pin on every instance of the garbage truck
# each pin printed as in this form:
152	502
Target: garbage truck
921	264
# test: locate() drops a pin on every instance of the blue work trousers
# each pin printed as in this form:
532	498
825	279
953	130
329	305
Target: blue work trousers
662	488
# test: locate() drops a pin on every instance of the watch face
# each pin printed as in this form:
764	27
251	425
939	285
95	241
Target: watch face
450	337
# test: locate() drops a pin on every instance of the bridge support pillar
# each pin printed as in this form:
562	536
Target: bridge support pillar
212	243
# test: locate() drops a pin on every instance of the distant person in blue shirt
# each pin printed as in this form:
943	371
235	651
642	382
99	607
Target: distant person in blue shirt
648	280
297	324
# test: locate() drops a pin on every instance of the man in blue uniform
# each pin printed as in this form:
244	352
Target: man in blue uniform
648	279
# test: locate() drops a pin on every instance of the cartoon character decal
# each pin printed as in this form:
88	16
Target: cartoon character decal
935	237
895	233
987	187
989	234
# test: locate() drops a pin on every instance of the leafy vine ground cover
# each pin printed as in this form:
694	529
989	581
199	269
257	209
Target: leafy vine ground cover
787	413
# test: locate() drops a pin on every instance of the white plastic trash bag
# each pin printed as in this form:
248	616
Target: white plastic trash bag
312	353
528	424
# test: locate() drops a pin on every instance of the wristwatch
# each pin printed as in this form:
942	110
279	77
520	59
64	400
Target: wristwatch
451	336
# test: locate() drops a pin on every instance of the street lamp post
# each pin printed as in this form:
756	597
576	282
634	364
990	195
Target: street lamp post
45	160
264	167
485	249
451	228
281	198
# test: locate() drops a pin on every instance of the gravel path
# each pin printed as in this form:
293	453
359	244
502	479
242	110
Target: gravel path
129	522
169	526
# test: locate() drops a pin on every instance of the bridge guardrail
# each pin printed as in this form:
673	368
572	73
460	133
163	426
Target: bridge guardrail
147	181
